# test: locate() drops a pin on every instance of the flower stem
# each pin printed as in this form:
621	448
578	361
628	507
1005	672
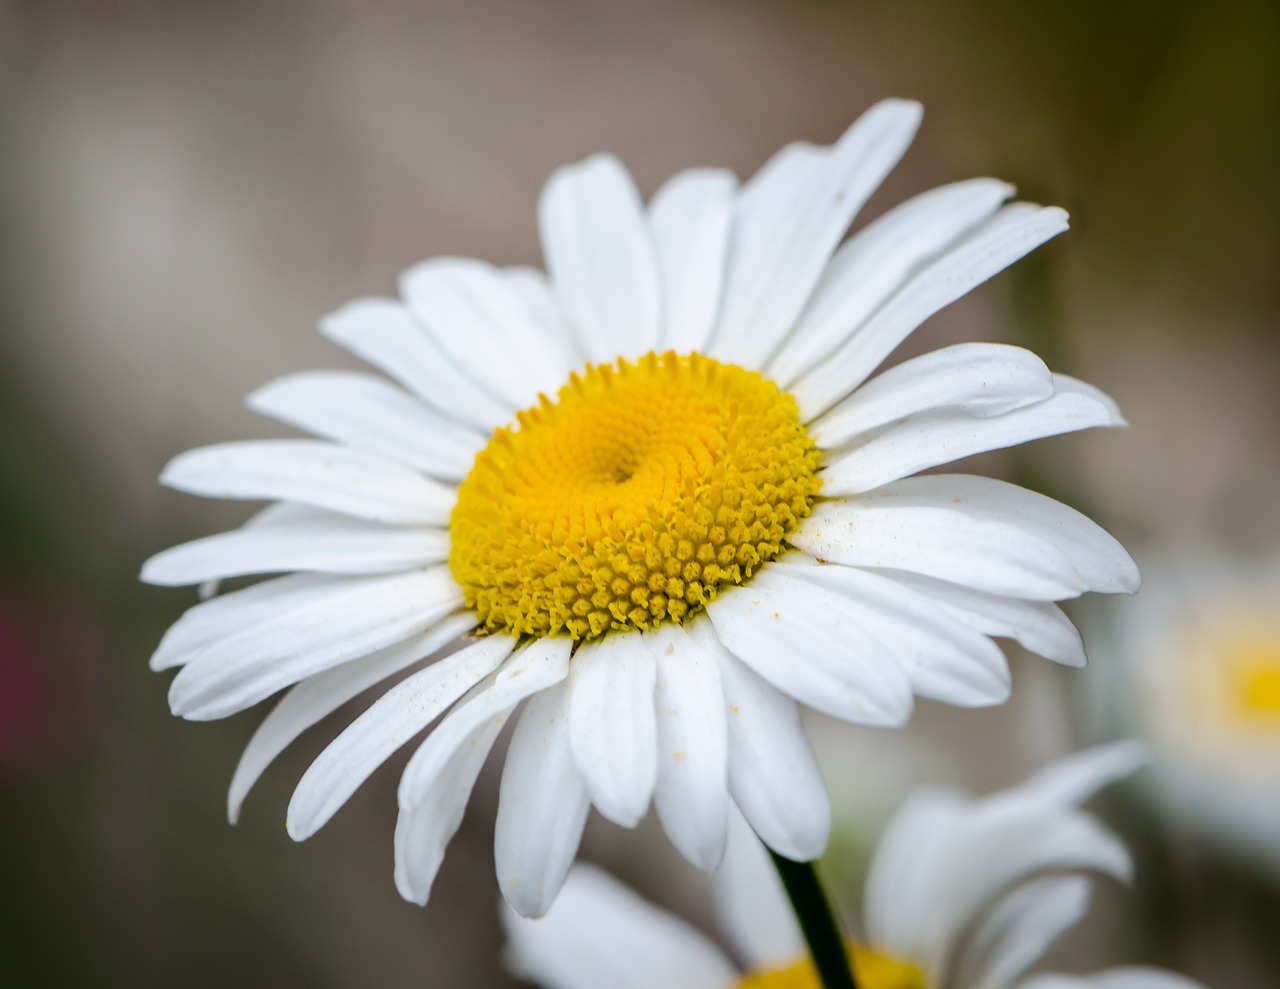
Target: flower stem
817	922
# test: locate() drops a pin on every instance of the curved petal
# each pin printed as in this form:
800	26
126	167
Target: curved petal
371	414
977	379
875	262
384	333
390	721
542	806
1115	978
689	219
1077	777
773	774
989	249
598	251
633	945
1013	936
929	440
312	472
613	725
806	642
975	531
345	621
691	796
788	221
316	697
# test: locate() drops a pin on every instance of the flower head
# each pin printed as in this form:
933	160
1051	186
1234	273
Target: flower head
961	894
652	496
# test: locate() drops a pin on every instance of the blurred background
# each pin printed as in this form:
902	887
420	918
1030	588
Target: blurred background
186	187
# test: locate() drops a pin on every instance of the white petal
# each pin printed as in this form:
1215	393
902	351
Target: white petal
689	219
789	220
600	258
1038	626
390	721
978	379
1114	978
347	620
946	659
751	904
803	640
631	945
224	616
542	806
312	472
1075	778
316	697
471	311
1021	928
876	261
992	247
423	831
367	412
976	531
532	288
941	437
773	775
321	542
384	333
691	797
613	726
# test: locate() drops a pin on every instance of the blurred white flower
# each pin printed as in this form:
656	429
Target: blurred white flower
961	894
1197	671
711	518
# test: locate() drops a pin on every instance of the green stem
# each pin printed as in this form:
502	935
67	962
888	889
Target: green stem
817	922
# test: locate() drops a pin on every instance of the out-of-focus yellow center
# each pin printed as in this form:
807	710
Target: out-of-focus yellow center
1255	668
634	498
871	969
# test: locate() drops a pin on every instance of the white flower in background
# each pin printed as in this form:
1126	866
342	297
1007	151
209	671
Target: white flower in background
659	487
1197	671
961	894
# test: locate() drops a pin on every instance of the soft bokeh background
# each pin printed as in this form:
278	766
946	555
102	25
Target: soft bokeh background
185	187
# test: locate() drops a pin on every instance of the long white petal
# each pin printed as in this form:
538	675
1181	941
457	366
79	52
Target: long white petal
773	774
876	261
946	659
613	726
692	796
351	619
313	472
926	441
690	219
475	316
1114	978
316	697
365	411
1038	626
992	247
600	256
322	543
807	643
976	531
542	806
632	944
1014	935
789	221
978	379
390	721
384	333
1077	777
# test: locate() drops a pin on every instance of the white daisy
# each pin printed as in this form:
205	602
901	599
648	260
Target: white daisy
1197	673
961	894
658	484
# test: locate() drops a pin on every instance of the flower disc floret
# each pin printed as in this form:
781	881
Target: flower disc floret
634	498
873	970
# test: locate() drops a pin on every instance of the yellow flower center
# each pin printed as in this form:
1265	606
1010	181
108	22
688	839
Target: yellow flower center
634	498
1255	668
871	969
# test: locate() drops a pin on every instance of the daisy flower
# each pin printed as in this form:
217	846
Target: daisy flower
655	497
1197	674
961	894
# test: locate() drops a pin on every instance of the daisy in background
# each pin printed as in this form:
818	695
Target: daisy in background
961	894
1197	672
656	496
